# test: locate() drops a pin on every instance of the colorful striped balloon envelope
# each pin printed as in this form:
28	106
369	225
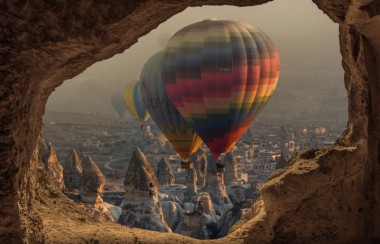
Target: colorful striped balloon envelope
171	123
133	101
219	74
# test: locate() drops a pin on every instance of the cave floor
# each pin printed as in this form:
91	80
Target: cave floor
63	222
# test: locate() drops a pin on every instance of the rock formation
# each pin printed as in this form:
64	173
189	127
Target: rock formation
43	146
51	163
191	185
165	174
141	206
201	222
93	182
40	51
216	188
199	160
100	212
72	171
227	220
173	214
239	193
204	205
230	173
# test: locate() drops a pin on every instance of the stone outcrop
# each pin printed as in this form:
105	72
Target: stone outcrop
165	174
201	222
51	163
204	205
141	206
173	214
40	51
230	173
100	212
240	193
191	185
199	160
227	220
216	188
93	182
72	171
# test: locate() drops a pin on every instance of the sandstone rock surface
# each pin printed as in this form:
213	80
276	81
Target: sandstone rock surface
165	174
191	185
230	173
51	163
199	160
141	206
93	182
173	214
72	171
216	188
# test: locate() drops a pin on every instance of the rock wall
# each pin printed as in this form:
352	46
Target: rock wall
45	43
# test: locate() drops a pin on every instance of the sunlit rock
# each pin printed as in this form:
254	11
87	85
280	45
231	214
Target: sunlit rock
51	163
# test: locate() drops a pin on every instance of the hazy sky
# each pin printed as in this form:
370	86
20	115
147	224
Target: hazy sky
307	41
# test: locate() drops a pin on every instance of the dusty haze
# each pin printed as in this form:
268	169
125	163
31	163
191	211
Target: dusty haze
311	79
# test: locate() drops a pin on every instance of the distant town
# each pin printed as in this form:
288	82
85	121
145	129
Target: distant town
120	170
110	141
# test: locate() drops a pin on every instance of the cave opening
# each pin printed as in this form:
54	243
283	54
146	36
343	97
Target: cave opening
310	96
43	50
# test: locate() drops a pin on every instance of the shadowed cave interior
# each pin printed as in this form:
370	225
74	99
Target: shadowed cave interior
334	186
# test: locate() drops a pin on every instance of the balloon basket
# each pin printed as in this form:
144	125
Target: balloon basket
219	168
186	165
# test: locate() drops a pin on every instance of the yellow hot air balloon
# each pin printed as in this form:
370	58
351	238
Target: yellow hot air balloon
133	101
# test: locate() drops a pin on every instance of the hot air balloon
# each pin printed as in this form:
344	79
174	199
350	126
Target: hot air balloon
133	101
178	132
117	102
219	74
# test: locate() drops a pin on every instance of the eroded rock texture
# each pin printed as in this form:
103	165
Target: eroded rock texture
199	160
73	171
216	188
230	173
93	182
191	185
141	206
165	175
51	163
45	43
